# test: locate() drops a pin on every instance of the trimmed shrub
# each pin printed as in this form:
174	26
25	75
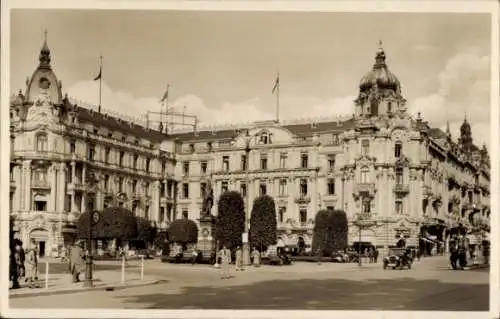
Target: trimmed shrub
338	230
230	223
263	224
145	231
115	222
183	231
321	234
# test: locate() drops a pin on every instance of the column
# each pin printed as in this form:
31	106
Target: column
83	206
62	187
313	195
27	197
53	188
155	202
17	194
84	173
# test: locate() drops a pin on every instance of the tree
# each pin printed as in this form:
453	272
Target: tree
263	223
160	239
321	233
145	231
230	223
183	231
338	229
115	223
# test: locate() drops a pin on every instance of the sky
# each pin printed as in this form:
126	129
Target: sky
222	65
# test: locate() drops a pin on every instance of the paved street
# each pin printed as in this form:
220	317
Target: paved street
428	286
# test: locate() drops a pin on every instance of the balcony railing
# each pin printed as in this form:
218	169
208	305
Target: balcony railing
367	189
401	188
302	199
40	184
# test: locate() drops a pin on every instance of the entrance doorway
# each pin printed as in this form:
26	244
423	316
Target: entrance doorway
40	237
301	244
41	249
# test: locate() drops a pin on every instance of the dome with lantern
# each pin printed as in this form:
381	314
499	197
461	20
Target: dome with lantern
380	76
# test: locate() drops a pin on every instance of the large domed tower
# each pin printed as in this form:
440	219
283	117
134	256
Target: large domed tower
379	91
465	139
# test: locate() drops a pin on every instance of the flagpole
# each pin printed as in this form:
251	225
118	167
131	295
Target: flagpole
100	84
278	98
166	109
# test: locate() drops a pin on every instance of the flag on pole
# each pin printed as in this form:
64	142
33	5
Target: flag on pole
165	96
98	77
276	83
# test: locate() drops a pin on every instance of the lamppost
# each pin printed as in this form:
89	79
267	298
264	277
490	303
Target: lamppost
93	220
363	221
246	246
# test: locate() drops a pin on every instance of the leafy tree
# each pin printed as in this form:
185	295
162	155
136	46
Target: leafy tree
183	231
338	229
230	223
115	222
145	231
263	223
321	234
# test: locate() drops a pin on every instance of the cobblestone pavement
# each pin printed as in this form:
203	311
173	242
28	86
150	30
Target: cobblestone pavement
429	285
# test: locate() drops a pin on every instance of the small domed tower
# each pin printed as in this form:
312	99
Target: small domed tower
465	139
379	91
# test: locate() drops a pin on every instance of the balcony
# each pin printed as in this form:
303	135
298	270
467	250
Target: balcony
40	184
76	186
166	200
302	199
401	189
365	190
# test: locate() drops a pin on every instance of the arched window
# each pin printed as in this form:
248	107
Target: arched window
365	178
41	142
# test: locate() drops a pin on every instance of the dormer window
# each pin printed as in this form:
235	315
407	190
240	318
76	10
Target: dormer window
41	142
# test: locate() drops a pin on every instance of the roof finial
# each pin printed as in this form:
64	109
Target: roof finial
380	44
379	57
45	35
45	52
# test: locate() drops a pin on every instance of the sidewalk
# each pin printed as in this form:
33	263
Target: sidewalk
103	280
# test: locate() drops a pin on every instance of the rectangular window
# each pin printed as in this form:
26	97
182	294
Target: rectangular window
163	167
244	164
365	147
185	190
120	184
331	162
91	152
281	214
399	207
148	162
303	187
331	186
162	214
397	150
204	167
120	160
262	189
106	183
224	187
263	161
283	157
303	216
134	186
282	187
134	163
72	147
304	160
399	176
185	168
107	151
146	212
225	163
203	187
366	207
243	189
185	214
146	188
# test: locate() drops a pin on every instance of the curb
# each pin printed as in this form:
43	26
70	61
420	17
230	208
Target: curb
77	290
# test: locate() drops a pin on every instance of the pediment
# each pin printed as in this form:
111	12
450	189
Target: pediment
261	136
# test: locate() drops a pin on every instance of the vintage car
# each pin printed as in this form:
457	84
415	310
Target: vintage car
398	258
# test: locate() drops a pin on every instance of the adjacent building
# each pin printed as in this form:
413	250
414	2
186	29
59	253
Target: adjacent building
413	181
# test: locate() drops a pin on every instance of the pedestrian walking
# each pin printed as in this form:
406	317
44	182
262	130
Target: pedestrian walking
225	256
194	256
256	257
20	258
239	259
77	262
375	255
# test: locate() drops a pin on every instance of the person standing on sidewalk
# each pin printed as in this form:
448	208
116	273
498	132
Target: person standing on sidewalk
225	256
31	267
239	259
77	262
256	257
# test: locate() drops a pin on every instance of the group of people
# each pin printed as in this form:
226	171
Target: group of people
76	261
24	265
458	252
225	257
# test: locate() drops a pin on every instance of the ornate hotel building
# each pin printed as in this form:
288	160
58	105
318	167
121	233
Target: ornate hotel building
410	179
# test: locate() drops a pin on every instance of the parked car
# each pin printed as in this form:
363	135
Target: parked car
398	258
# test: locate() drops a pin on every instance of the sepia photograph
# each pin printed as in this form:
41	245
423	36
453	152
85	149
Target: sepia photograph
194	159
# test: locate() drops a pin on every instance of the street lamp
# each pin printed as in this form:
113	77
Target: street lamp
246	246
363	221
93	220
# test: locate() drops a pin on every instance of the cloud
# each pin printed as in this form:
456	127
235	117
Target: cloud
463	90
